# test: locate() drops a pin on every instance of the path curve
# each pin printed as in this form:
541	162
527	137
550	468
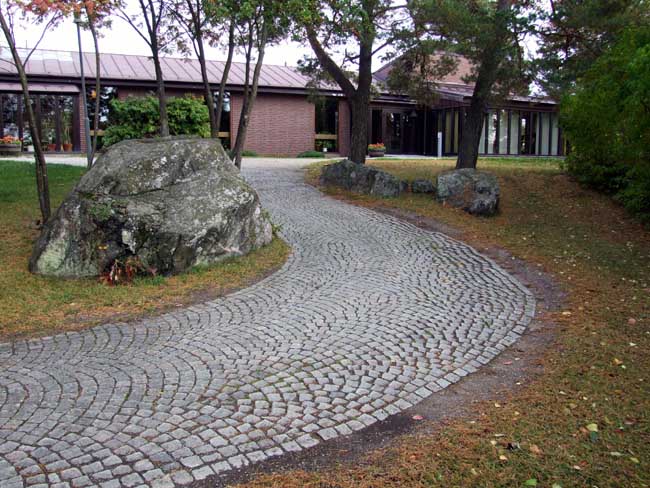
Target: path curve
369	316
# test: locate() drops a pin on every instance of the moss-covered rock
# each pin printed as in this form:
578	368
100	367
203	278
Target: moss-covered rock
172	203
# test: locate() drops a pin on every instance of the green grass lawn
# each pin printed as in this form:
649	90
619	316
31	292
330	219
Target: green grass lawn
34	305
597	372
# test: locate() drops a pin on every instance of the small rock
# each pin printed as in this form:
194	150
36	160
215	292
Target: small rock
476	192
360	178
422	186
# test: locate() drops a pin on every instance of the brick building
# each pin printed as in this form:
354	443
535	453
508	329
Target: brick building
285	120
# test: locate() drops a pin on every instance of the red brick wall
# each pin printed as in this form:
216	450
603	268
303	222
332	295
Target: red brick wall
344	128
280	125
123	93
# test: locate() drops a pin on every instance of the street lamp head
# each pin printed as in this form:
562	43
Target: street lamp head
77	18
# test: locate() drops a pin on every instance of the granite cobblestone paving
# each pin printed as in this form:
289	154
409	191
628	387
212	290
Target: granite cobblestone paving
369	316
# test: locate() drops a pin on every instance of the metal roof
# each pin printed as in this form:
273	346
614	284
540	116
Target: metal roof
125	67
133	68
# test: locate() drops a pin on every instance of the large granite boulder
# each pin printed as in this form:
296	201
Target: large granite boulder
169	204
361	178
476	192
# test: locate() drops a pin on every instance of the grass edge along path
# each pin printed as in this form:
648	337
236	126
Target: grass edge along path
34	305
585	422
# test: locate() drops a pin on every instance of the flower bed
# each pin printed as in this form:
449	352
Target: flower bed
10	146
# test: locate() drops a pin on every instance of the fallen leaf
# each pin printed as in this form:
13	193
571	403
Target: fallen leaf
535	449
502	458
531	482
634	460
592	427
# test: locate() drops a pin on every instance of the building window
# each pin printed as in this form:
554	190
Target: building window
503	132
393	134
555	132
514	132
377	133
524	133
327	111
326	124
10	107
54	119
492	142
545	134
106	95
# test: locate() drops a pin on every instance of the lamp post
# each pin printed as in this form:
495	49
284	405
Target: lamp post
77	20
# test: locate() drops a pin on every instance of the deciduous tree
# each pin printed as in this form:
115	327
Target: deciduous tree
344	36
204	22
46	17
150	23
259	24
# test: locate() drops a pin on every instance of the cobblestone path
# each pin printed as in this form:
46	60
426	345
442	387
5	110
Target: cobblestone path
369	316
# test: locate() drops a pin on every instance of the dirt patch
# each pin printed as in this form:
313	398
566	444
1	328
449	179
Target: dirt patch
500	379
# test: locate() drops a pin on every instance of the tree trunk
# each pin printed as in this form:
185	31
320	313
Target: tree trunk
162	99
207	92
358	97
360	103
472	127
224	75
238	148
249	97
359	107
42	184
98	88
491	57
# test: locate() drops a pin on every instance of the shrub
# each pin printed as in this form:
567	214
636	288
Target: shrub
607	122
138	117
249	154
311	154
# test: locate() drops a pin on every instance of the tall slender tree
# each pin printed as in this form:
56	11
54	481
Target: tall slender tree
150	23
96	17
346	35
204	22
47	18
259	24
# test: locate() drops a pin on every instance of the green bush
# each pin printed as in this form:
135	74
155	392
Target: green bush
607	123
311	154
138	117
249	154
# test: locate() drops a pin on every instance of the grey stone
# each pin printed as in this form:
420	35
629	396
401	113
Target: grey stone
361	178
422	186
167	204
476	192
